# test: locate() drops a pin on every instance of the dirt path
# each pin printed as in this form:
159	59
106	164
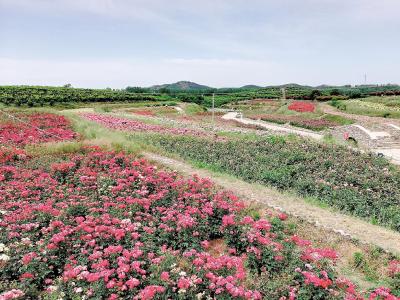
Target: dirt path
305	133
342	224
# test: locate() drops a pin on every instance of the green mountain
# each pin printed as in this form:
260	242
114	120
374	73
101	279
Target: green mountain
251	87
181	86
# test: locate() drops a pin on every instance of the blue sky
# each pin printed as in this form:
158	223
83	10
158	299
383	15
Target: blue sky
115	43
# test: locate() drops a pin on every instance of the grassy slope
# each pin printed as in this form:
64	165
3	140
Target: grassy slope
388	107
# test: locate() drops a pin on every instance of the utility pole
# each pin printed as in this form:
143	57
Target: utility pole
213	106
365	79
283	91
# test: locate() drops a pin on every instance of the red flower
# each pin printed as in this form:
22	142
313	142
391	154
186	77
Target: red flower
302	106
27	276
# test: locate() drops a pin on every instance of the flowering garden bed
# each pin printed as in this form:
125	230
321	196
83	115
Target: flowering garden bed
102	225
313	124
35	128
120	123
301	106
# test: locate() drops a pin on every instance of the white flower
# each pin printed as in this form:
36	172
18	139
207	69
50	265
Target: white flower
52	288
4	257
26	241
183	273
308	266
3	248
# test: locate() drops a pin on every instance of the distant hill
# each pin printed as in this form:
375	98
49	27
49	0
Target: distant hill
289	85
251	86
181	86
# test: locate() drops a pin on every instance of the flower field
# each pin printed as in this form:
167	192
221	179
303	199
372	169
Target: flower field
35	128
313	124
103	225
126	124
301	106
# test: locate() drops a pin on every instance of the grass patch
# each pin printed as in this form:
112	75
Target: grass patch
96	134
192	108
338	119
54	148
372	107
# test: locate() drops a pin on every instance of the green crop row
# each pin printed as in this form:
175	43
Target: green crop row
45	96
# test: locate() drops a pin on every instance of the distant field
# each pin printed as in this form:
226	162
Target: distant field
280	112
387	107
49	96
68	96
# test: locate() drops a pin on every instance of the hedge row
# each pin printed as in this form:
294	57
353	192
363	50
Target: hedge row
42	96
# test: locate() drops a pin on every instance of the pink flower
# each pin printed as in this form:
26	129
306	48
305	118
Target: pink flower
26	259
27	276
205	244
113	297
149	292
132	283
394	268
282	216
12	294
228	220
183	283
313	279
164	276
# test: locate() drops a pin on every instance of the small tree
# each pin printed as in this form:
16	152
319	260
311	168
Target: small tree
335	92
68	85
314	94
164	91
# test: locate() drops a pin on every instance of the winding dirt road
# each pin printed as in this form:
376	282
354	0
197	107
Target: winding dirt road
305	133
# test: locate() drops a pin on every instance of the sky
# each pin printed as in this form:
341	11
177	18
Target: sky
220	43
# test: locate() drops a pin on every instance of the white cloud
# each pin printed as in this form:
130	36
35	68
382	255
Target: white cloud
119	74
260	42
213	72
133	10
